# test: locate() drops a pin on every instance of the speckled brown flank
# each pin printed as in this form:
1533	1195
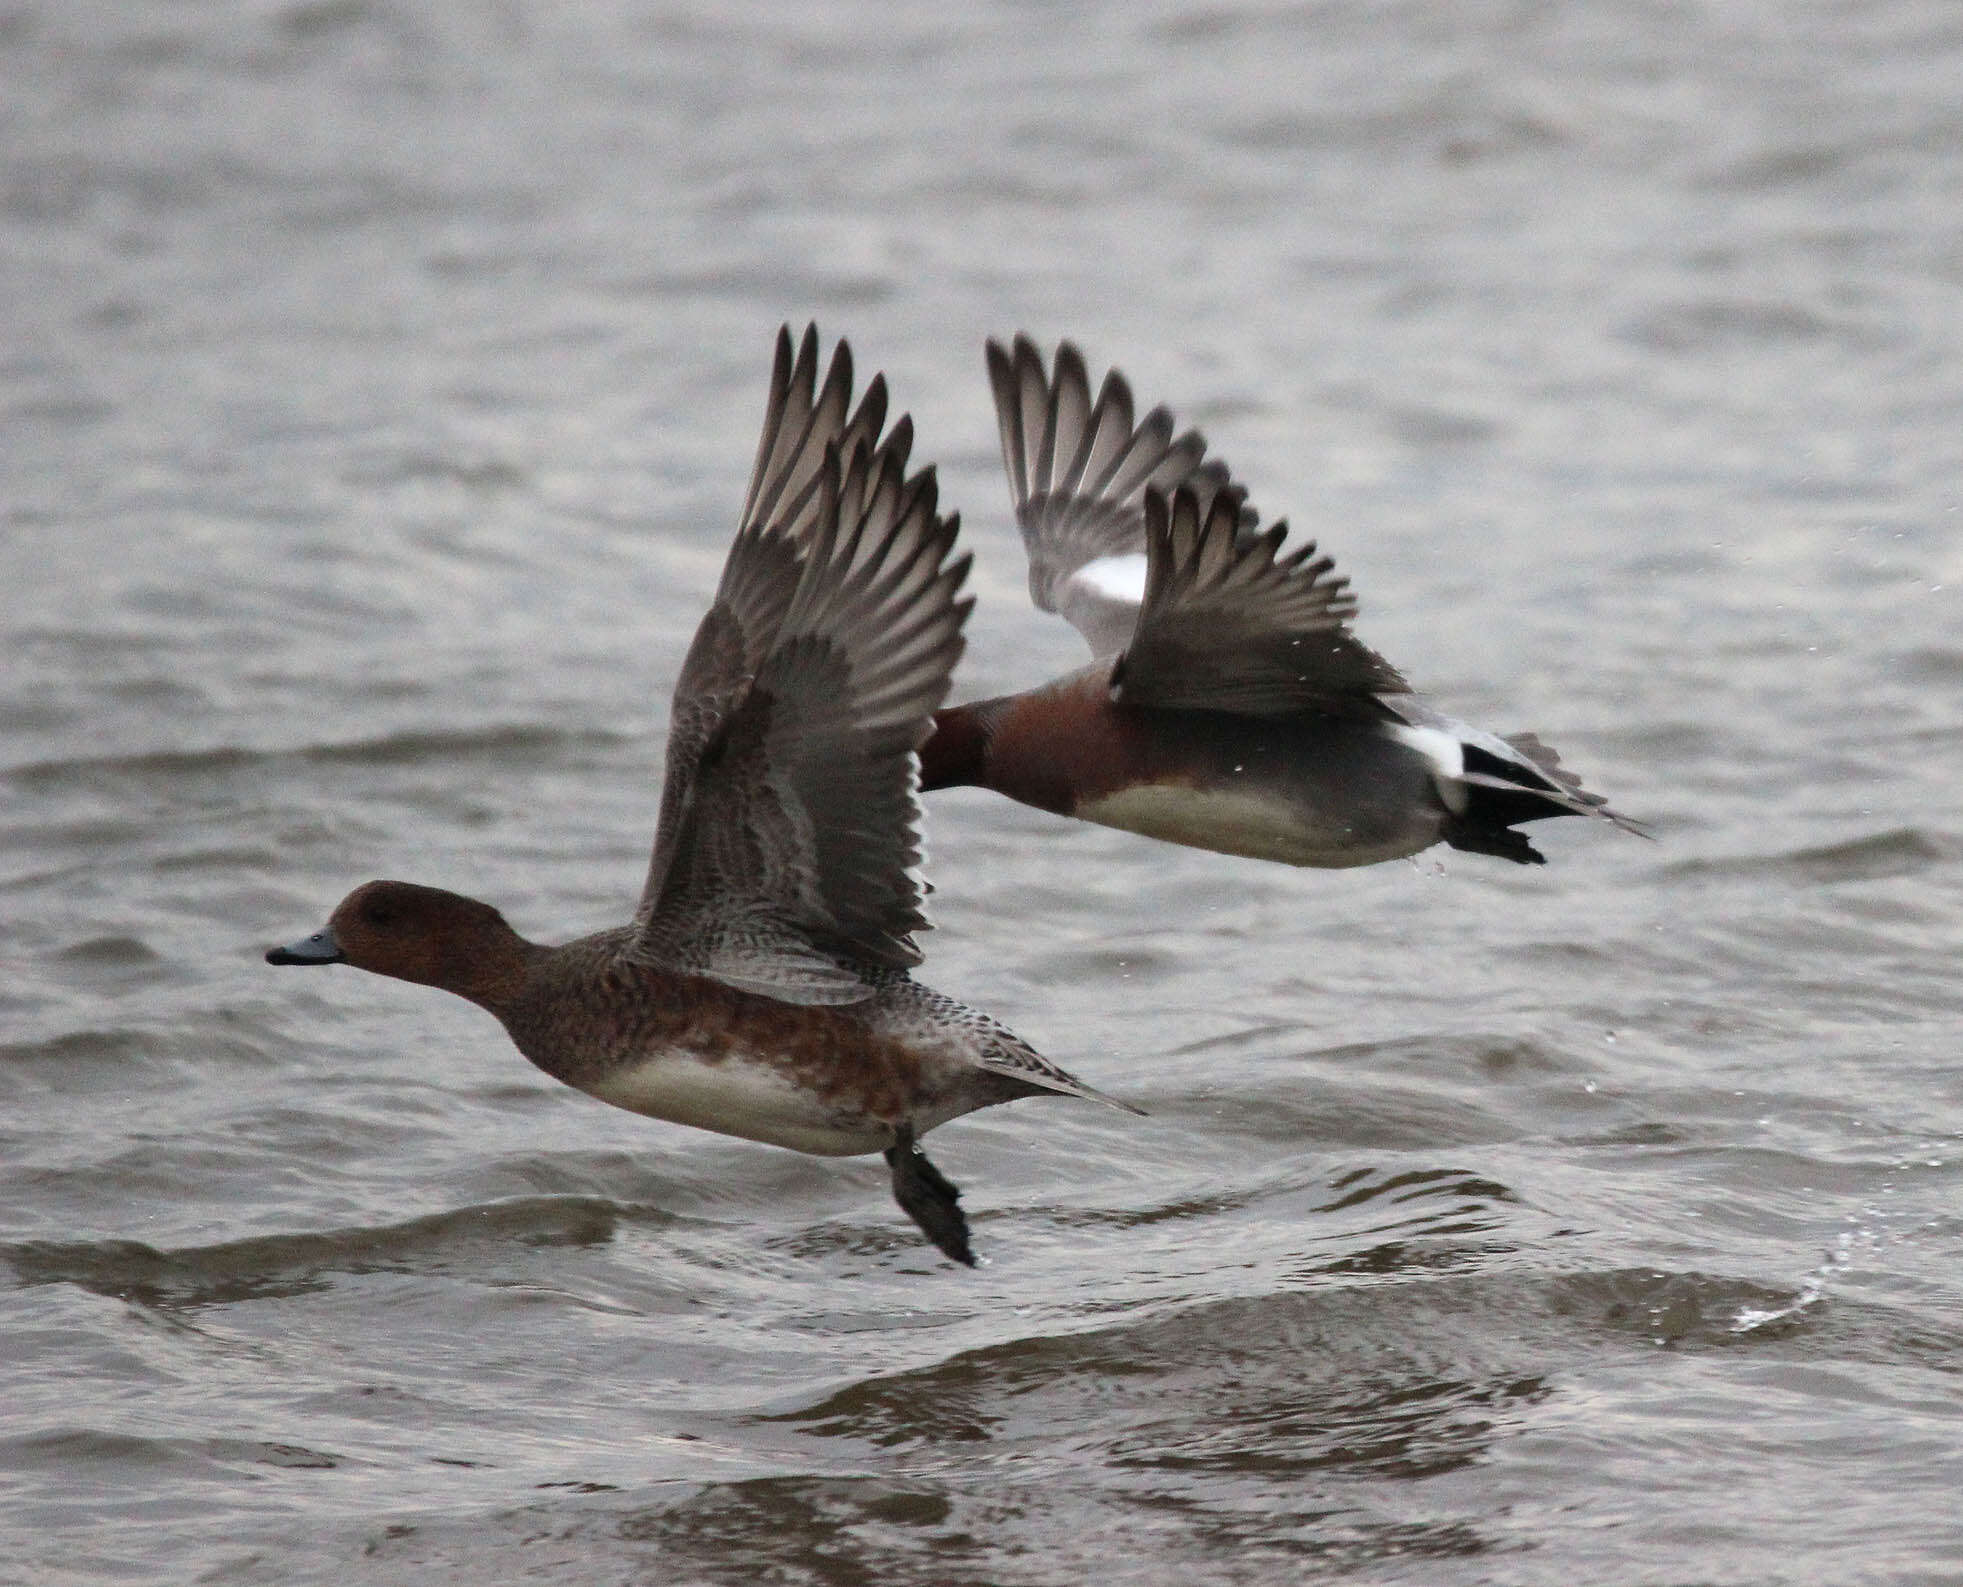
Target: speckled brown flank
583	1013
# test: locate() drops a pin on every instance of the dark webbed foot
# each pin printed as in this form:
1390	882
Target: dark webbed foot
928	1197
1504	842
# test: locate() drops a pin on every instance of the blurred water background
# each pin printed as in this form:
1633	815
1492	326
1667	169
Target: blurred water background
380	380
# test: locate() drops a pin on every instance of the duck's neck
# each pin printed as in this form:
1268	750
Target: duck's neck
491	967
956	756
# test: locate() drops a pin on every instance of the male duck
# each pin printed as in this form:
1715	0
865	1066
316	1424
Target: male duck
1229	706
762	989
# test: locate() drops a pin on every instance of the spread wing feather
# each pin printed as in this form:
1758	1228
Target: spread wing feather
1231	621
802	419
787	858
1078	471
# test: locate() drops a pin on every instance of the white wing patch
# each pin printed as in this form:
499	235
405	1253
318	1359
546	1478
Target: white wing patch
1447	759
1119	578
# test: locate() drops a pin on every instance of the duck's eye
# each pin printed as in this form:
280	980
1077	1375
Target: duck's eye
381	916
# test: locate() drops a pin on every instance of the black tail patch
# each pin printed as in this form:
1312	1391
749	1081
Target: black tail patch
1486	825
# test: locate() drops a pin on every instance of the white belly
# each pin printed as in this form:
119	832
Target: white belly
744	1097
1253	823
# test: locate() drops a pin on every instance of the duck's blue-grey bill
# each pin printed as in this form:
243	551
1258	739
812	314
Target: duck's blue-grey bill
320	948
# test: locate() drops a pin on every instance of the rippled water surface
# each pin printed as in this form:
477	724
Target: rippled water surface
380	382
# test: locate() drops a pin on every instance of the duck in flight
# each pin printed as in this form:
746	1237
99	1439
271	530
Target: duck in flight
1228	705
762	988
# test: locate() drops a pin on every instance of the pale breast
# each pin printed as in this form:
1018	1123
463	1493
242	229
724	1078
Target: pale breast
739	1095
1253	822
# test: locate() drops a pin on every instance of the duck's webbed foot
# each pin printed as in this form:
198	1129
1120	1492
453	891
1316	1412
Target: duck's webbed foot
928	1196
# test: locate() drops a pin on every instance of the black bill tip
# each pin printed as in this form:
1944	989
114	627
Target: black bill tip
320	948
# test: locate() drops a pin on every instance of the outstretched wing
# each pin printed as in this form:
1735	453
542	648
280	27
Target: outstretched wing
802	419
787	860
1231	622
1078	471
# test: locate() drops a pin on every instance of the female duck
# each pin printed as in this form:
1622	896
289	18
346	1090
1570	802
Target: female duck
762	988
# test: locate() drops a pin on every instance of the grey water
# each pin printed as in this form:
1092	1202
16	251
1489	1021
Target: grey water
380	379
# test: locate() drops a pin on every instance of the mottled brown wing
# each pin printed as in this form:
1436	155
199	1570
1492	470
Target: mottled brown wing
735	636
1231	622
1078	472
804	421
788	863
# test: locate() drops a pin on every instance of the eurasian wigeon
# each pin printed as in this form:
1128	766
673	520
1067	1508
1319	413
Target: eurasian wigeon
762	989
1229	706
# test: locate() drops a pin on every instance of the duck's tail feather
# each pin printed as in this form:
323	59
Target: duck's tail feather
1515	779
